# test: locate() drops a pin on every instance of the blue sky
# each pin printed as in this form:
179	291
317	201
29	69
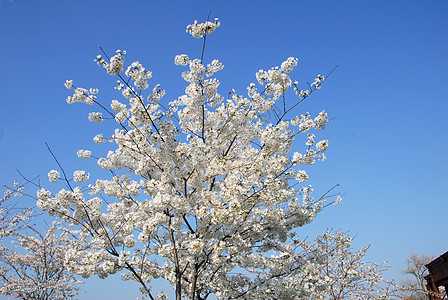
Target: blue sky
388	97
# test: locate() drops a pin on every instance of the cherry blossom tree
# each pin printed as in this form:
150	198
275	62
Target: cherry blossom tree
32	267
12	218
205	191
341	271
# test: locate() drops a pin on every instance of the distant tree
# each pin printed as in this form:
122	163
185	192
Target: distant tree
32	263
414	287
342	271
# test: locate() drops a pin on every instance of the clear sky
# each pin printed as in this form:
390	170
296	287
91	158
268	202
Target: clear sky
388	97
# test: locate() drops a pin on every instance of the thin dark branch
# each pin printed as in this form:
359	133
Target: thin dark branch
301	100
62	169
205	37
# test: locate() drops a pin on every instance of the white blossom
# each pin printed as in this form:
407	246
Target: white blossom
302	176
80	176
116	63
306	124
289	64
99	139
338	200
96	117
84	153
322	145
318	81
310	139
68	84
199	30
321	120
181	60
53	176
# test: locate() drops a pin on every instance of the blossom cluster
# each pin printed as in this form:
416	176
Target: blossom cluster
115	65
199	30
